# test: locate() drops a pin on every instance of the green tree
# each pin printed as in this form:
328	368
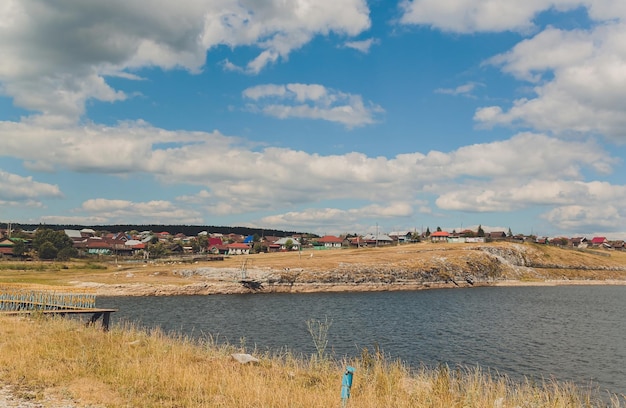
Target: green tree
20	234
47	250
258	247
19	247
65	254
203	243
289	244
480	232
468	233
427	232
195	248
157	250
509	234
438	229
58	239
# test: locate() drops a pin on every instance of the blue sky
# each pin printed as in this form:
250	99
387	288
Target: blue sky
327	116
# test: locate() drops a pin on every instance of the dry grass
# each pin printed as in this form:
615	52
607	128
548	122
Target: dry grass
127	367
406	263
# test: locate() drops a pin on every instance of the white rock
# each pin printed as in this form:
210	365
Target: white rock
244	358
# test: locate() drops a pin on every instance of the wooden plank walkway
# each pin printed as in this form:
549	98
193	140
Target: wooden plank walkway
96	314
16	300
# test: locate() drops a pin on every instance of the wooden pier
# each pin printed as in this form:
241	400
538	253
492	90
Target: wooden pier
16	300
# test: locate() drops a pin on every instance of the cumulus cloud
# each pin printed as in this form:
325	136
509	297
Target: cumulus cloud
577	74
468	16
73	220
336	220
519	157
587	218
486	197
505	175
311	101
580	82
18	190
56	55
149	212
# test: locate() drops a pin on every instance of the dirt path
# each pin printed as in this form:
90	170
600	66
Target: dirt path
10	398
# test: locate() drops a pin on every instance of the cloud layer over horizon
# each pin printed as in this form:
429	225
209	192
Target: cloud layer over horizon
547	151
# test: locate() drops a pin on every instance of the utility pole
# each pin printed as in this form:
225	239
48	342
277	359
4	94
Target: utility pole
376	234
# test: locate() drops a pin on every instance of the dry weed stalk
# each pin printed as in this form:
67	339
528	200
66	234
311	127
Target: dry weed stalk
128	367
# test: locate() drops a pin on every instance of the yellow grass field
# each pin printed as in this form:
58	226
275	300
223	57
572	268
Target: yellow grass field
413	266
61	363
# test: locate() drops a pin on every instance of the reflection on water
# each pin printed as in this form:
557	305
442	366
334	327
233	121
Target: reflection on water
573	333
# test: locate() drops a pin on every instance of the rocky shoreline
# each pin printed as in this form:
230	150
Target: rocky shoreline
419	267
144	289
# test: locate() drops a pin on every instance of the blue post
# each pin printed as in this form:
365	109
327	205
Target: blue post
346	384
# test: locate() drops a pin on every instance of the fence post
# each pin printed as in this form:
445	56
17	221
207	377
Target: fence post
346	384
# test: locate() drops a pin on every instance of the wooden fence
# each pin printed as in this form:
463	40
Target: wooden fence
14	298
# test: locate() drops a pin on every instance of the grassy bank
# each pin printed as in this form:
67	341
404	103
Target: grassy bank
127	367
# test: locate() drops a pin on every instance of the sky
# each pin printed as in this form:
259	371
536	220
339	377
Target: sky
321	116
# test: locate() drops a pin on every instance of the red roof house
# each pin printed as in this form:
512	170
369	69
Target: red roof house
330	241
439	236
597	241
238	248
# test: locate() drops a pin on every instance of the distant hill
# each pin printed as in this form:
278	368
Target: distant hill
189	230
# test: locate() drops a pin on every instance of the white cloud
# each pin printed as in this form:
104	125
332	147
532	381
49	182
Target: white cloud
363	45
18	190
149	212
234	178
467	16
73	220
55	55
588	218
503	196
312	101
335	220
551	49
583	87
524	155
465	89
577	74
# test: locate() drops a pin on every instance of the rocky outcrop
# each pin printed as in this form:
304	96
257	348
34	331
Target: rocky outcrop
407	268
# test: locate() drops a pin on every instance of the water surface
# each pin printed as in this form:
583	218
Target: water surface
570	333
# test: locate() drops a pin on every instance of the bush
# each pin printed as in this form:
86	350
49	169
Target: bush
66	253
48	251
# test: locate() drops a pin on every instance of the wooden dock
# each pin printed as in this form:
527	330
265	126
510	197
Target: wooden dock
17	300
95	314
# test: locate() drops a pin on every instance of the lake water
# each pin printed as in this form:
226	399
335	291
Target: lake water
570	333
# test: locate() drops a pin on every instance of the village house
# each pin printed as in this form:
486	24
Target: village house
439	236
238	248
377	239
216	246
6	247
353	241
599	242
329	242
401	237
579	242
496	236
284	244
